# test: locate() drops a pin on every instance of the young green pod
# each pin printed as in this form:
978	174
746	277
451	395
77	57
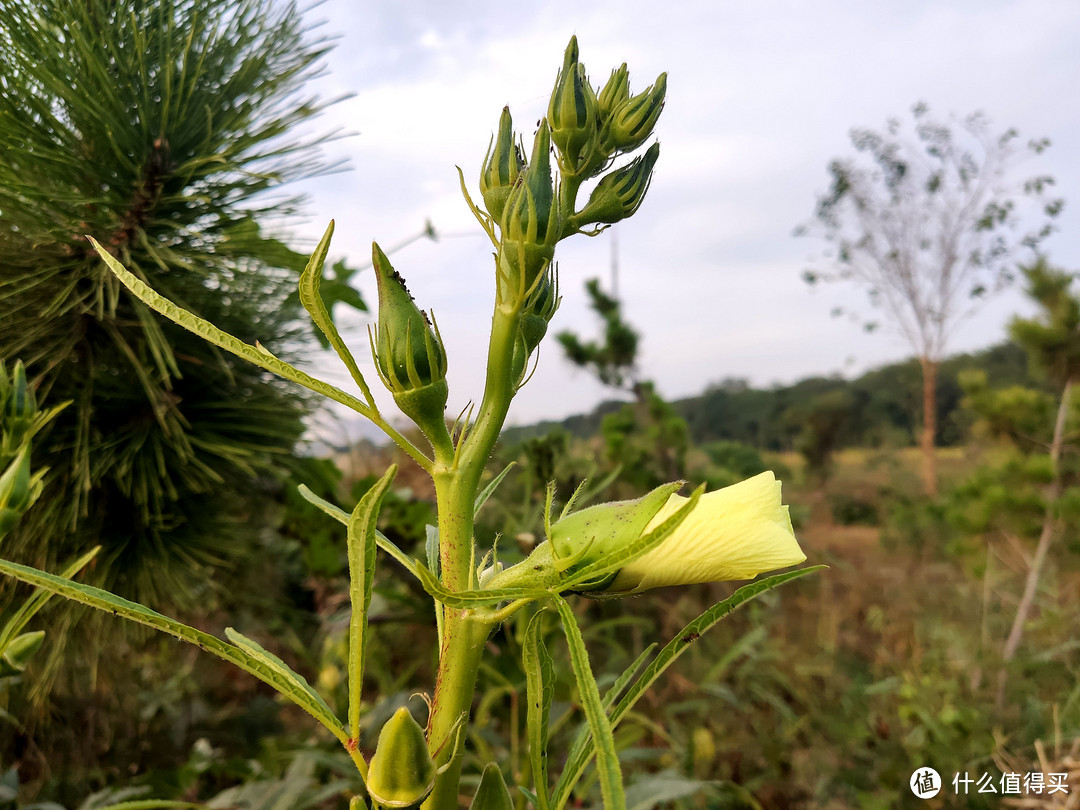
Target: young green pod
492	793
401	772
503	164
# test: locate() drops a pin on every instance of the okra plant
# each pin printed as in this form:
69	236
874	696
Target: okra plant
526	207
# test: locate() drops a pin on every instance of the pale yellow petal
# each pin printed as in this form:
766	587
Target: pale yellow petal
736	532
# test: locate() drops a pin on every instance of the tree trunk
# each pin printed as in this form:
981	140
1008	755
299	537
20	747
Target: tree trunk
929	429
1046	537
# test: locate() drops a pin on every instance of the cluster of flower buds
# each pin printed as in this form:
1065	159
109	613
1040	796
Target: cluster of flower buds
589	128
408	350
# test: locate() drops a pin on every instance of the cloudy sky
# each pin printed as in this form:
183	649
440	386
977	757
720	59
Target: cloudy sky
761	96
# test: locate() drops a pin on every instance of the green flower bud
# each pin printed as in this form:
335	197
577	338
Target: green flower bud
536	314
492	794
18	409
619	194
530	223
615	93
501	168
408	350
22	649
573	111
632	122
17	490
401	772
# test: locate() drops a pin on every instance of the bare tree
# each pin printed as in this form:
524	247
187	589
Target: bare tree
929	218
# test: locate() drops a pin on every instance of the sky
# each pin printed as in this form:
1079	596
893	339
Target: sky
761	97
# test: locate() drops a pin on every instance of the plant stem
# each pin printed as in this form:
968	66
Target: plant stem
465	632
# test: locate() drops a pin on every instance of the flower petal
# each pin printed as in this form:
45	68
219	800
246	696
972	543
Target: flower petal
736	532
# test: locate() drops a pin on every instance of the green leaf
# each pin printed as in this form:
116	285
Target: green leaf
362	544
268	659
28	609
607	758
242	657
482	498
539	689
578	759
434	564
342	517
311	298
657	789
206	330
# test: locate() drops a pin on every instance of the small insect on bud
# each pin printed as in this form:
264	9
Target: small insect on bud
573	112
619	194
492	794
401	772
408	350
632	122
502	166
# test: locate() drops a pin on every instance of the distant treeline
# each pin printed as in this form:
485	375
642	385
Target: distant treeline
882	407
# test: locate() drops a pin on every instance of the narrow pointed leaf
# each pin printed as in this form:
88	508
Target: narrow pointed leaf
539	689
28	609
607	758
118	606
229	343
361	579
312	301
576	763
268	659
482	498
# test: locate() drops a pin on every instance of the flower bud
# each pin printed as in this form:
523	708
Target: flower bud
615	93
17	409
572	111
619	194
733	533
492	794
632	122
502	166
17	490
530	222
408	350
536	314
20	650
401	772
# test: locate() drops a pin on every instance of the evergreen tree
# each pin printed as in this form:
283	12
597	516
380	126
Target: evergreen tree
154	126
